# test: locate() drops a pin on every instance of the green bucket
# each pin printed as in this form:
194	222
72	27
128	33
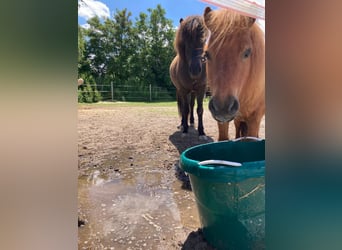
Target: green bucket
228	181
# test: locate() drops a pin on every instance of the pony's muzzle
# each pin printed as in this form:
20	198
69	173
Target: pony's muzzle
195	65
195	69
224	111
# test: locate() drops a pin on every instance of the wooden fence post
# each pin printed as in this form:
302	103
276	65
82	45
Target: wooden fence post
150	93
112	90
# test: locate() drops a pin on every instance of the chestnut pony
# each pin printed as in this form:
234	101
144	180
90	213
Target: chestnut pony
187	70
235	59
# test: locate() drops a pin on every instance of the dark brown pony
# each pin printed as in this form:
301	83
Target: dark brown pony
187	70
236	72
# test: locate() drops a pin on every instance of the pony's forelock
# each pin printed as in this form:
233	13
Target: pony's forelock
223	22
190	26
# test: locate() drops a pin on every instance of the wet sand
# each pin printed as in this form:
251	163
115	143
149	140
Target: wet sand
131	192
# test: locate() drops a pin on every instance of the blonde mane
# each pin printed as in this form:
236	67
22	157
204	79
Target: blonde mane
222	23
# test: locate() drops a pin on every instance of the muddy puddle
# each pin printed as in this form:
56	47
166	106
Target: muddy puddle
133	204
131	194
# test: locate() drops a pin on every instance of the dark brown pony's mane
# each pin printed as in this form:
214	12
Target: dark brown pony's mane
188	31
224	22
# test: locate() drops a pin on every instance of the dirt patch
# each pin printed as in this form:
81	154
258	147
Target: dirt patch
132	193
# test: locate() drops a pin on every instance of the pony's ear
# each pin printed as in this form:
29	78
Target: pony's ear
206	14
251	20
181	20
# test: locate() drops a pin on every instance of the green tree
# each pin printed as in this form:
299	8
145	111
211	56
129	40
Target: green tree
134	55
83	64
161	42
123	47
96	49
81	46
87	91
140	70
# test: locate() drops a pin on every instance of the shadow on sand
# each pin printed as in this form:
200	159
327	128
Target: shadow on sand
196	241
181	143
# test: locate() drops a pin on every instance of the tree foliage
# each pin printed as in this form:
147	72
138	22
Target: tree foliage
121	52
89	92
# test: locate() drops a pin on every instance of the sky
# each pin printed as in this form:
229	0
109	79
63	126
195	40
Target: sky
175	9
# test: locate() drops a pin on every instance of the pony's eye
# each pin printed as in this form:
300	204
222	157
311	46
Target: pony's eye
205	57
247	53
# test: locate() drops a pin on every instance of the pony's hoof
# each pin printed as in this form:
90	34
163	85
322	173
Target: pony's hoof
180	127
203	138
184	135
192	125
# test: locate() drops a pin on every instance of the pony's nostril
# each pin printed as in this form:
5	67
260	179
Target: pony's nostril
233	106
228	107
212	105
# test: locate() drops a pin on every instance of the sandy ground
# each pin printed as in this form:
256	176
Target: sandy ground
131	192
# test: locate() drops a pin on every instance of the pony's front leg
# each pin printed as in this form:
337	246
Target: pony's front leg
223	131
192	104
200	116
241	129
185	114
254	127
248	128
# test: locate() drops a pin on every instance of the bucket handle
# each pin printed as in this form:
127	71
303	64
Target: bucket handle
248	138
229	163
220	162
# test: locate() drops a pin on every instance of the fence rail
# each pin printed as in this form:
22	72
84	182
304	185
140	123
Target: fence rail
131	93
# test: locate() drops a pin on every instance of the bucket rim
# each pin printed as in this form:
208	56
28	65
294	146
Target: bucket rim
219	173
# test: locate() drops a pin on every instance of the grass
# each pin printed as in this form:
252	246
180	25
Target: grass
134	104
129	104
163	108
168	108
